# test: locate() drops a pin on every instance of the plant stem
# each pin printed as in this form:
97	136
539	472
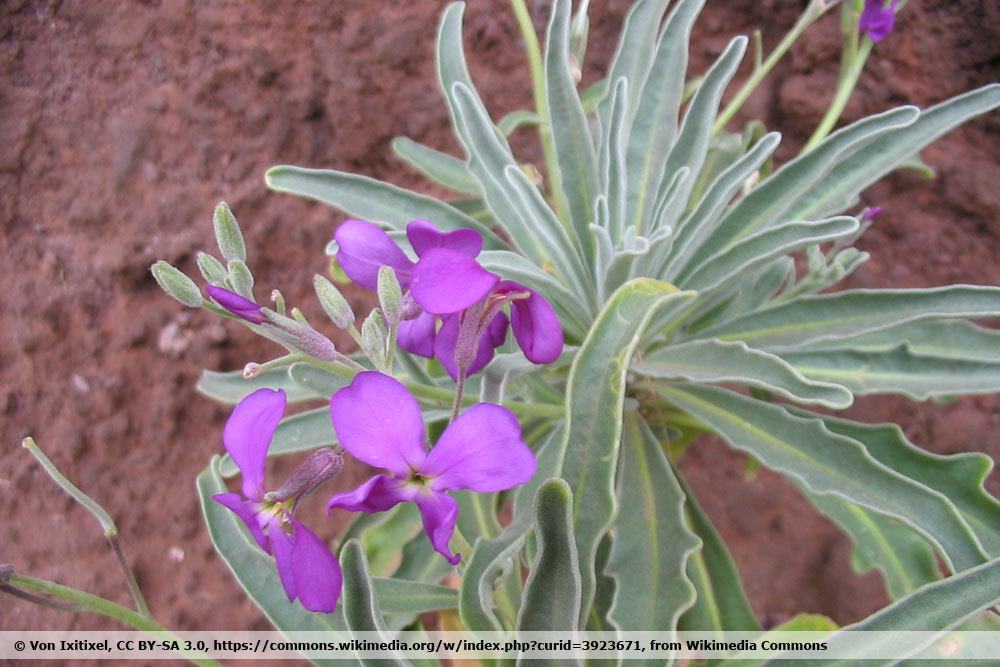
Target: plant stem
537	68
107	608
848	80
133	584
459	391
815	9
548	410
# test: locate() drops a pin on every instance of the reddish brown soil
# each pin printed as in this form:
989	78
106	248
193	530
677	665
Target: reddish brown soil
124	123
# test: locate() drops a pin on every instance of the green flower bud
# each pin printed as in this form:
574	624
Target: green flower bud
373	338
176	284
212	270
228	234
241	278
333	302
390	295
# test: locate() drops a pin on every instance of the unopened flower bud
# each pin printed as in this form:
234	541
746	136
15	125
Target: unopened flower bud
373	338
241	278
175	283
333	302
317	469
251	370
390	295
228	234
298	336
212	270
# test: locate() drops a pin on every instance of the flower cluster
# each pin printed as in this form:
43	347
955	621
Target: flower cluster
376	418
448	284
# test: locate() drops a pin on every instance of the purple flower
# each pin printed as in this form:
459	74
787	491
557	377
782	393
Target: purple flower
365	247
307	569
877	19
471	300
237	305
378	421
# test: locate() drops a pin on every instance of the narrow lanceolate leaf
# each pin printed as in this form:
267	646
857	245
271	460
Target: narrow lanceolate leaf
652	543
890	151
692	142
552	592
960	477
715	361
399	596
439	167
720	605
935	607
898	371
535	212
230	387
904	558
373	200
829	463
573	313
954	339
575	154
515	120
254	569
595	398
612	165
694	228
769	202
832	316
361	609
321	383
494	559
514	200
301	432
633	55
761	248
655	120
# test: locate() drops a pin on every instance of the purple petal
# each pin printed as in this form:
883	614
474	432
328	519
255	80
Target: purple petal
424	236
378	494
378	421
877	20
497	330
445	281
282	546
439	512
248	434
481	450
536	325
316	571
237	305
417	336
364	248
247	511
447	339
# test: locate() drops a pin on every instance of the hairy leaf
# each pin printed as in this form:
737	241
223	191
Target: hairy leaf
652	543
595	398
831	316
714	361
829	463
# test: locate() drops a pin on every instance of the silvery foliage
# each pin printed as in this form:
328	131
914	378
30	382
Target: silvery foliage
667	250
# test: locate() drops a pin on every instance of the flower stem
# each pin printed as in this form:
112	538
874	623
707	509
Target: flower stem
107	608
537	68
133	584
815	9
459	390
853	64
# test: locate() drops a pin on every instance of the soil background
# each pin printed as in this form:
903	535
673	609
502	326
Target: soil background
123	123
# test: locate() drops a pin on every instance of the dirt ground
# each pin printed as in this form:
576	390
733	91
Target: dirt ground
124	123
